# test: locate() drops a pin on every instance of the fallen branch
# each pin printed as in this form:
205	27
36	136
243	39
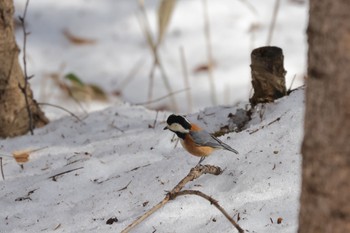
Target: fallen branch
212	201
125	187
26	197
194	173
54	177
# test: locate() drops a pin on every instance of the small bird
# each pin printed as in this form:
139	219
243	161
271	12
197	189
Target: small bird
194	139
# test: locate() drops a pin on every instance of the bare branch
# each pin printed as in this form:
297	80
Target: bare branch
176	191
24	88
212	201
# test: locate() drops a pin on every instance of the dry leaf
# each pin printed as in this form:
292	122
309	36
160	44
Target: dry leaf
22	156
84	91
76	39
279	220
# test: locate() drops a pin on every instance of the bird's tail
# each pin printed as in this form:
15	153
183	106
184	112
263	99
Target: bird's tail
227	147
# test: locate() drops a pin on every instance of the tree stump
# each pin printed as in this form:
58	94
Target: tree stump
268	74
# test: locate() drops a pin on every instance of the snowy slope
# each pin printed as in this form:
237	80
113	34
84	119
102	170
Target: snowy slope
124	167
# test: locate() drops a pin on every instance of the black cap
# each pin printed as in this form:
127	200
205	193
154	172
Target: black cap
178	119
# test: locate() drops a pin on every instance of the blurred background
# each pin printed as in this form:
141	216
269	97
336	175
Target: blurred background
179	56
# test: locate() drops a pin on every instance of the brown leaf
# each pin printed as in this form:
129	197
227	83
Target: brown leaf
76	39
279	220
22	156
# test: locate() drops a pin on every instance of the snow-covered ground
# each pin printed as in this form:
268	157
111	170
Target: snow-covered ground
125	167
118	165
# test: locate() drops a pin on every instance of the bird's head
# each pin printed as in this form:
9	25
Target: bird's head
178	124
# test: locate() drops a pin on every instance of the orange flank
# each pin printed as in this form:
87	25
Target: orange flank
194	149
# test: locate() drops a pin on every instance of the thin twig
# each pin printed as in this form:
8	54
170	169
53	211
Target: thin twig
209	53
24	88
116	127
212	201
62	108
291	84
154	48
273	22
65	172
151	81
66	87
2	169
250	7
187	83
70	94
154	122
125	187
192	175
161	98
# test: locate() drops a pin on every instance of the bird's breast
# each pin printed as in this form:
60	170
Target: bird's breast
194	149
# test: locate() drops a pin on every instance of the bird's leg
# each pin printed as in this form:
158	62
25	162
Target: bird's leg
201	160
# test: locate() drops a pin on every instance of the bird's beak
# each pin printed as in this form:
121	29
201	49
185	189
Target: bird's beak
166	127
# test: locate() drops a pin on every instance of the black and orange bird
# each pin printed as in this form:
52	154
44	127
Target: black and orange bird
194	139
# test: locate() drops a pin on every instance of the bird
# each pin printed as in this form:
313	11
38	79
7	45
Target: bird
194	139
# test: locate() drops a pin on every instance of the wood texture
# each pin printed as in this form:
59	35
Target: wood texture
268	74
14	118
325	194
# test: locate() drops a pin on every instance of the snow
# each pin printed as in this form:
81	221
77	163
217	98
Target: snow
118	164
116	148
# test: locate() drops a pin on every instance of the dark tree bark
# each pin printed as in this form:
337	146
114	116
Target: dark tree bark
325	198
14	118
268	74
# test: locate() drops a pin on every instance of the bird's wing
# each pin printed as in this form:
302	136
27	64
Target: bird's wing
203	138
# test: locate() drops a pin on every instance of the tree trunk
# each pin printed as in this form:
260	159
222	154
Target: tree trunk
14	118
325	197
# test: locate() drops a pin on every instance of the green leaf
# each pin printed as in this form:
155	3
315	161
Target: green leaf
74	79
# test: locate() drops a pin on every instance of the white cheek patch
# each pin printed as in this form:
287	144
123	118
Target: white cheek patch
178	128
